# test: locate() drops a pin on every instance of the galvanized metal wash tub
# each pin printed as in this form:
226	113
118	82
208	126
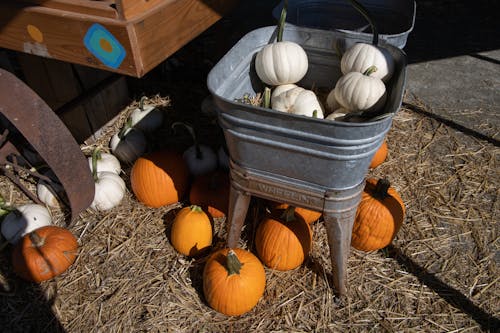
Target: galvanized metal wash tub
395	18
312	163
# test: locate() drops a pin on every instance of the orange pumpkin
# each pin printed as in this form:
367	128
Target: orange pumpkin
159	178
309	215
233	281
379	216
211	192
380	155
44	253
191	232
283	242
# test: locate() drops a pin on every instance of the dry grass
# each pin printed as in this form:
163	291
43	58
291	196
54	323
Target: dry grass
440	275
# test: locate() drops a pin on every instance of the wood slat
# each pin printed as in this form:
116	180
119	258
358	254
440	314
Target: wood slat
103	8
53	80
129	9
88	113
170	27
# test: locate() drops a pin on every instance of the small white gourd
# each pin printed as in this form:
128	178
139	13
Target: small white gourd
340	112
284	96
109	187
146	118
109	191
307	104
48	192
45	195
360	91
281	62
361	56
331	101
128	145
298	101
24	220
278	90
106	162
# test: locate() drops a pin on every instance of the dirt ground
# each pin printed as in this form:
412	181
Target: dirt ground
441	274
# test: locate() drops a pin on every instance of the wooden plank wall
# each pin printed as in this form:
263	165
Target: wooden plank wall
51	79
58	82
84	98
88	113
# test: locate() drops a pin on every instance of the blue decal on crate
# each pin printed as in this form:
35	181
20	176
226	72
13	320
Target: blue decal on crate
102	44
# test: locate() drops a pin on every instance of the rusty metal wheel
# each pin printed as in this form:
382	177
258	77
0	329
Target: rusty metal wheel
29	129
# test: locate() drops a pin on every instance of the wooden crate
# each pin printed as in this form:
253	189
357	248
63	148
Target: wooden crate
123	36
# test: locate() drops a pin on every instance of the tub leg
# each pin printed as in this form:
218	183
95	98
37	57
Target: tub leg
339	231
339	220
238	207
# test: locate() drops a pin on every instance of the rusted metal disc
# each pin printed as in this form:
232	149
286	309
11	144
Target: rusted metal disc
51	139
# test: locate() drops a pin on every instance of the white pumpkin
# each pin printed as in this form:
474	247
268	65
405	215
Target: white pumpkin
278	90
24	220
109	191
146	118
340	112
297	100
280	63
200	159
361	56
48	192
360	91
106	162
284	99
331	101
128	145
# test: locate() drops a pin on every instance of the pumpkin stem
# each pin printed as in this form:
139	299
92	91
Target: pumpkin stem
289	214
36	239
4	211
362	10
315	114
125	128
381	189
199	153
141	103
4	207
266	101
196	209
281	22
96	155
233	264
370	70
